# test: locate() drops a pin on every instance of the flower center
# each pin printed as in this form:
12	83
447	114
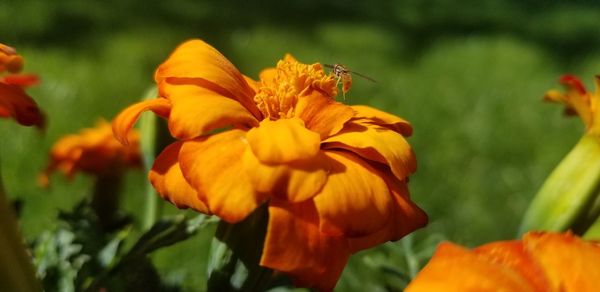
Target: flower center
282	86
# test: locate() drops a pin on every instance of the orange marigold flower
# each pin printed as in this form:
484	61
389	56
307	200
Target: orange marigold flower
14	102
578	101
93	150
541	261
334	176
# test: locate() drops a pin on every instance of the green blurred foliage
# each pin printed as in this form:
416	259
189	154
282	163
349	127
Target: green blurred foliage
469	75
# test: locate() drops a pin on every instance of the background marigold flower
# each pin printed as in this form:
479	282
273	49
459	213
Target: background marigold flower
334	176
539	262
14	102
94	151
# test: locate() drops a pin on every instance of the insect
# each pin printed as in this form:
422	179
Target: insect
345	75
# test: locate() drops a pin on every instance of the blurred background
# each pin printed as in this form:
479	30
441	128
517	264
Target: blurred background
469	75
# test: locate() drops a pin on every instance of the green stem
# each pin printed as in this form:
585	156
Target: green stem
411	260
105	199
566	198
16	269
235	256
148	144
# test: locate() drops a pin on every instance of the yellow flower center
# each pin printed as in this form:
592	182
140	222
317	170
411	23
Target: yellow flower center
282	86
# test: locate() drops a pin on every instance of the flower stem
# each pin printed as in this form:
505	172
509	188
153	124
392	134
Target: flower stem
566	199
105	199
235	255
16	269
148	144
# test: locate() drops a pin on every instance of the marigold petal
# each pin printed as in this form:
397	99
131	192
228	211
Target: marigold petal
14	102
167	179
255	85
22	80
376	143
323	114
570	263
406	217
382	118
295	181
283	141
295	246
354	191
196	62
196	111
212	165
123	123
513	255
454	268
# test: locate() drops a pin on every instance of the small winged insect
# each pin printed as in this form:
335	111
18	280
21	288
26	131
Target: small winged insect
345	75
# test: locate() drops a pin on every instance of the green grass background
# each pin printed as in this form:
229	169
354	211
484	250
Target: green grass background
469	75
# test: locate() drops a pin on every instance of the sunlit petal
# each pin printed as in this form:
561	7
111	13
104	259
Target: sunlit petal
570	263
123	123
213	166
376	143
167	179
382	118
296	181
454	268
322	114
196	62
196	111
283	141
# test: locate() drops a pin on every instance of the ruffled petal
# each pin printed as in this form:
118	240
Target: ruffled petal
295	181
513	255
123	123
355	201
406	217
213	166
570	263
196	62
283	141
323	114
376	143
453	268
14	102
196	111
167	179
383	119
295	246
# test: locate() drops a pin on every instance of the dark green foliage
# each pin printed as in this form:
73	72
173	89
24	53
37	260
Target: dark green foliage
80	256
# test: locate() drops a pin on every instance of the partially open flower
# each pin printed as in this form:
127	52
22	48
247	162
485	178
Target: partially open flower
334	176
578	101
14	102
539	262
94	151
569	198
